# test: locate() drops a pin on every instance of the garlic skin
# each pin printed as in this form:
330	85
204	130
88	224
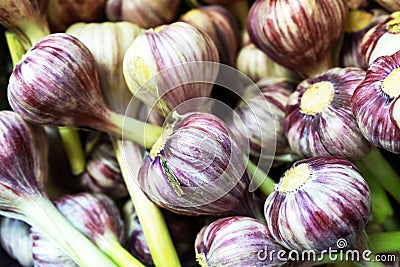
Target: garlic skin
317	202
61	14
95	215
196	169
100	39
24	149
375	103
16	241
299	35
161	55
259	119
145	13
391	5
236	241
26	19
358	24
220	24
62	71
103	174
257	65
382	39
318	119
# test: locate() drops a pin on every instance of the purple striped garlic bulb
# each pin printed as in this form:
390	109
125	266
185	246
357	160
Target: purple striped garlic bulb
318	119
382	39
375	103
145	13
259	119
358	24
317	202
16	240
56	83
223	28
94	215
100	39
62	14
103	174
196	168
237	241
163	66
300	35
26	19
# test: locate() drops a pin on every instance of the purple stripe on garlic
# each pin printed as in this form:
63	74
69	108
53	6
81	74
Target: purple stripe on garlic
317	202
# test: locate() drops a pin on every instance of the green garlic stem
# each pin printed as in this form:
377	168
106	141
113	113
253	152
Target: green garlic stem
69	136
268	185
153	223
385	242
73	148
383	172
45	217
114	250
143	133
381	206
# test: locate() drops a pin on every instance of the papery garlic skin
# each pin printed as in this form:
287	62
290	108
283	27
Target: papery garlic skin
299	35
358	24
375	103
317	202
100	39
237	241
382	39
197	169
23	147
26	19
220	24
259	119
318	119
62	71
16	241
62	14
157	61
145	13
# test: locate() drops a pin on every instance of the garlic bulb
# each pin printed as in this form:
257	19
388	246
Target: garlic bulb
196	168
391	5
300	35
318	119
157	66
375	103
145	13
317	202
237	241
382	39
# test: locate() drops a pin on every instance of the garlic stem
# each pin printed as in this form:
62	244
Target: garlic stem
267	185
383	172
143	133
73	148
381	207
385	242
154	227
69	136
114	250
45	217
